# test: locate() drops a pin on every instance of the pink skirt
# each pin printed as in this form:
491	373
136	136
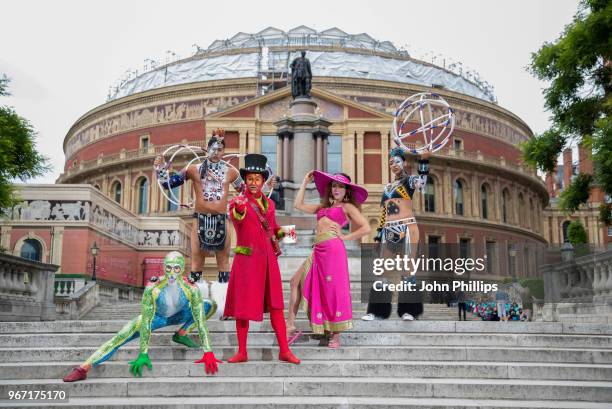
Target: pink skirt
325	283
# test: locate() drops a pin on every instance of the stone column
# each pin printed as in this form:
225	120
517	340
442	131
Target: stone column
497	201
252	141
280	157
476	199
384	152
305	129
447	191
360	158
556	239
127	190
324	142
286	143
57	240
318	153
242	148
348	159
5	237
155	205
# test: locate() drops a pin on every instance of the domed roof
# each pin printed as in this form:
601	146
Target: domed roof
332	53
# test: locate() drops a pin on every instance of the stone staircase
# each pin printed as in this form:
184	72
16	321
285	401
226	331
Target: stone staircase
381	364
126	311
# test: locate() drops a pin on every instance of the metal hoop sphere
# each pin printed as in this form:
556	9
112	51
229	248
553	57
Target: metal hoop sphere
424	122
170	196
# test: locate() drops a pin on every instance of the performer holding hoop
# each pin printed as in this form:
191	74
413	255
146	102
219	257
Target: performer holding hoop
422	124
209	233
398	232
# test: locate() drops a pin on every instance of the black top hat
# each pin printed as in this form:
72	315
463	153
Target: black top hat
254	163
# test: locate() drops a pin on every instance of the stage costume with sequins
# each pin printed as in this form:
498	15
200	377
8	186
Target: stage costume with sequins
394	238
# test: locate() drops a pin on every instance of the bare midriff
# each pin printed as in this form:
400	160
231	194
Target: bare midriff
202	205
398	209
325	224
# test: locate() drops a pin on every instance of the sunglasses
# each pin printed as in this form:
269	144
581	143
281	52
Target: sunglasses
176	267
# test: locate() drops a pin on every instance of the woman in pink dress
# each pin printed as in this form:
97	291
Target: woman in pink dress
323	279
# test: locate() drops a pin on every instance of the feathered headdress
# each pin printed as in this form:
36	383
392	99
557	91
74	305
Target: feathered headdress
218	135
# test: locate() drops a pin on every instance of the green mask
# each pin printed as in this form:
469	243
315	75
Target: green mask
174	265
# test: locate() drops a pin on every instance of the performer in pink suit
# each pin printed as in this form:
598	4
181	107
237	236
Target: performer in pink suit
324	276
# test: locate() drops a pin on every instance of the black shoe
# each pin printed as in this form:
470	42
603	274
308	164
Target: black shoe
195	276
224	276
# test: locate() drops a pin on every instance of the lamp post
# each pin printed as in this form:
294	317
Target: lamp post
94	252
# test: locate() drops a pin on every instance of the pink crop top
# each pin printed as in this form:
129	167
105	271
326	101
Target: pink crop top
335	214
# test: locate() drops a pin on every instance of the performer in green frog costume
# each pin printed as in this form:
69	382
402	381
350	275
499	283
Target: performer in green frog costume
170	300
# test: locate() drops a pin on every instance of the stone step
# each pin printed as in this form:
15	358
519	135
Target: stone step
309	353
357	314
325	369
206	387
390	325
220	339
310	402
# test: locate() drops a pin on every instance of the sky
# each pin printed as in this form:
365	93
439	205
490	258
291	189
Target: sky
62	56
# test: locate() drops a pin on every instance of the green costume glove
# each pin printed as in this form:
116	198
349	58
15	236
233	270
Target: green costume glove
142	360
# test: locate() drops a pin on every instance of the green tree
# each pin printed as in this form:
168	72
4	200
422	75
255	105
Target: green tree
18	156
577	66
576	234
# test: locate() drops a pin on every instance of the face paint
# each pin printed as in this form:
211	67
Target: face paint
174	265
338	191
396	163
216	151
254	183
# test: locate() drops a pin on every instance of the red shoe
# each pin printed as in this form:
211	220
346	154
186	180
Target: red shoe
288	357
239	357
77	374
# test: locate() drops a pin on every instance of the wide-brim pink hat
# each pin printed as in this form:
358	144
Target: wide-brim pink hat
323	179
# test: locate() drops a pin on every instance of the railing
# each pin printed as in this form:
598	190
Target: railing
75	297
116	292
76	305
114	158
578	288
26	289
65	287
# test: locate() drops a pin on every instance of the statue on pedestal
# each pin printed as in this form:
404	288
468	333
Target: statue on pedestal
301	76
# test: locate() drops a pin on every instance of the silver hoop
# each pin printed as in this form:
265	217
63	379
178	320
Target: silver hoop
414	122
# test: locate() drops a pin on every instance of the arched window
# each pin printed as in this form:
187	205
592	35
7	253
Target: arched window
458	197
116	192
430	196
176	195
143	195
505	205
484	197
564	228
31	249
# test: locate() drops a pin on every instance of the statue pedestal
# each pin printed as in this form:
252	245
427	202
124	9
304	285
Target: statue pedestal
303	136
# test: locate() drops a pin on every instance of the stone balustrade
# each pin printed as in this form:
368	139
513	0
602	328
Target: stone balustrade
26	289
578	288
115	158
77	304
65	287
111	292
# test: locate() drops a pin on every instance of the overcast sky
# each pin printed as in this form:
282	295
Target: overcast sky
62	56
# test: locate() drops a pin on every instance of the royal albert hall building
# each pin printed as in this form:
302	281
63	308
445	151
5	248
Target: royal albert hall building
478	192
